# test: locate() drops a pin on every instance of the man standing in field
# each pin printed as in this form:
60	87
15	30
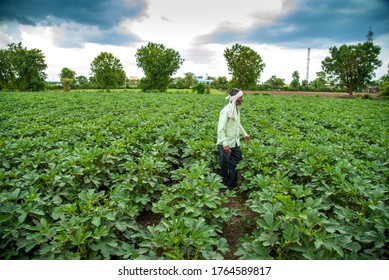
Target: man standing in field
229	131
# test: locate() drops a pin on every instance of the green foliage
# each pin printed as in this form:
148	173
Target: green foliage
81	82
158	64
275	83
108	71
316	173
189	79
201	88
295	84
245	66
220	82
68	78
67	73
352	66
67	83
384	86
22	69
80	173
319	84
192	216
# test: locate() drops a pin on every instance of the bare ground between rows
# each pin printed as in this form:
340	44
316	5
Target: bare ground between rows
243	223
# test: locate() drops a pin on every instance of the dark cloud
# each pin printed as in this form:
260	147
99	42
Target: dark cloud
102	13
93	15
315	23
76	35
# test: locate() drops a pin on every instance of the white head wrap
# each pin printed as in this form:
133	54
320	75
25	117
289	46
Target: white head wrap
234	111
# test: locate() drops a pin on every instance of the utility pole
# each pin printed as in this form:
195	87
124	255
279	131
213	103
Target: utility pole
370	35
307	76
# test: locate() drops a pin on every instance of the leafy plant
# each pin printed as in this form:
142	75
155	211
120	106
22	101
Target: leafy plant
82	173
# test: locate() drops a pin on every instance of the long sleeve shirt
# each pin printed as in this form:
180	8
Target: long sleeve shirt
229	130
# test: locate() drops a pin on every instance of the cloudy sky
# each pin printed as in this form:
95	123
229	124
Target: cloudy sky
72	33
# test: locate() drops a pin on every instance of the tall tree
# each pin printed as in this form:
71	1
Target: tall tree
275	83
158	64
22	69
352	66
295	80
107	70
384	85
320	82
81	81
6	72
245	66
189	79
67	77
220	82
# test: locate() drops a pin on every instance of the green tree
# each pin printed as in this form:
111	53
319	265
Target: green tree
108	71
5	69
158	64
180	83
201	88
245	66
220	82
295	84
319	83
189	79
22	69
81	81
275	83
68	78
384	85
304	83
352	66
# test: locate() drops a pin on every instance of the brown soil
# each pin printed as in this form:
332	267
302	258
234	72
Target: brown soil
306	93
238	226
149	218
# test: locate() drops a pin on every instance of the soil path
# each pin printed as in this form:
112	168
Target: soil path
239	225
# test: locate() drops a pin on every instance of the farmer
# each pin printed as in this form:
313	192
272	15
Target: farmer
229	131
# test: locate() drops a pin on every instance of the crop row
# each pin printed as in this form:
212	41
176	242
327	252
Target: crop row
318	178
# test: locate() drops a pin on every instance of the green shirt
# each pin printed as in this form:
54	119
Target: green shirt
229	130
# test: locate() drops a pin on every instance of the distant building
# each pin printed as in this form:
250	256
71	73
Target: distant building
371	89
200	79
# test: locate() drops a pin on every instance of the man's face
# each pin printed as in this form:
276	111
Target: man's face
239	101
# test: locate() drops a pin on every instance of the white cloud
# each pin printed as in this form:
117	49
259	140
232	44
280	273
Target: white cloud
186	26
199	59
9	33
282	62
383	41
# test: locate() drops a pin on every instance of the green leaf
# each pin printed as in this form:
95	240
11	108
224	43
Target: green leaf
269	238
268	221
80	236
5	217
101	232
96	221
290	234
109	216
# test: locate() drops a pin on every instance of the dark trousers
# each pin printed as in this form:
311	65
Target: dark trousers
227	164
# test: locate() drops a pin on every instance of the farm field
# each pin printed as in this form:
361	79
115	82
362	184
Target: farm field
134	176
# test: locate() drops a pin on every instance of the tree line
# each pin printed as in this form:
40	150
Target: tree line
348	67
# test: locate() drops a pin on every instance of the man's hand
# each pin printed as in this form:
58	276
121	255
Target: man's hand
227	149
247	139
